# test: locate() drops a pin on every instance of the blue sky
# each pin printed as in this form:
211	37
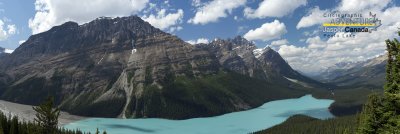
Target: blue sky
274	22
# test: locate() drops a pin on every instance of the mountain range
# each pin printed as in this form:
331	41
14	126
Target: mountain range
369	73
124	67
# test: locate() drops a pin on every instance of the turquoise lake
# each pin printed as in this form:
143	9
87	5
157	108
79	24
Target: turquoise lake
265	116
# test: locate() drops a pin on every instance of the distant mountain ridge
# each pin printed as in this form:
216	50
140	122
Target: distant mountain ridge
367	73
124	67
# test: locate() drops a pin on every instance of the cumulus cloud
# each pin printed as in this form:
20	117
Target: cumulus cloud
390	16
274	8
196	3
11	29
200	40
322	53
6	31
314	17
288	51
279	42
214	10
3	33
357	5
319	54
315	42
175	28
55	12
267	31
313	33
164	21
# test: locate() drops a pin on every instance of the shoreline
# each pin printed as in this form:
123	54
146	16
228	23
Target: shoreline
26	113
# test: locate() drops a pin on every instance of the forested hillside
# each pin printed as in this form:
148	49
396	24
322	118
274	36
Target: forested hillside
46	122
301	124
381	114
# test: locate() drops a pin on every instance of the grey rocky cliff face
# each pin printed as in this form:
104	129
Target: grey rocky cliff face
103	67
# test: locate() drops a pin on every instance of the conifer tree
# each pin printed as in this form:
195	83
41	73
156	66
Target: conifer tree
1	128
383	115
370	118
47	116
391	105
14	126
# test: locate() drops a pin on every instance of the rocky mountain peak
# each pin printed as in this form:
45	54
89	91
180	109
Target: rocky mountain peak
132	23
126	63
72	37
239	40
260	51
273	60
270	55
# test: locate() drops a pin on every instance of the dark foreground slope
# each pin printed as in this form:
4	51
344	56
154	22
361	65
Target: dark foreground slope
301	124
124	67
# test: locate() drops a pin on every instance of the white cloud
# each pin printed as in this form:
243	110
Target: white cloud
3	32
200	40
8	51
389	16
149	8
324	53
314	17
214	10
274	8
174	29
191	42
164	21
279	42
55	12
196	3
11	29
242	29
21	41
288	51
267	31
315	43
313	33
6	32
362	5
319	54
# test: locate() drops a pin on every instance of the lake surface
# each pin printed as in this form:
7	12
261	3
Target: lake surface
265	116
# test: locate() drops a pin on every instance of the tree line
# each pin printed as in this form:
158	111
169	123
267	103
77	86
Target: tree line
45	122
381	113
